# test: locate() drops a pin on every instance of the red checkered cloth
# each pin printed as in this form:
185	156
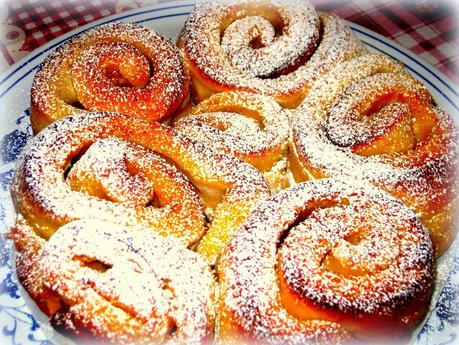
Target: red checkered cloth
428	28
44	21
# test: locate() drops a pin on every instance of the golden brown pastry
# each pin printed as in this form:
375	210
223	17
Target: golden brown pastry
248	126
119	67
117	284
278	47
371	120
170	180
326	261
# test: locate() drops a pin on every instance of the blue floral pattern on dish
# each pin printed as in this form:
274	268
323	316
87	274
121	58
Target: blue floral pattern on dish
17	324
12	144
442	326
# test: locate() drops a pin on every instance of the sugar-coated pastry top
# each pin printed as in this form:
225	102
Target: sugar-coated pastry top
43	195
133	231
277	47
371	120
252	127
324	259
119	284
120	67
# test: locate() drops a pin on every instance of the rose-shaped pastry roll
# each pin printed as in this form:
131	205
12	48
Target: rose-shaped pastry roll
248	126
114	284
119	67
325	261
373	121
133	172
278	47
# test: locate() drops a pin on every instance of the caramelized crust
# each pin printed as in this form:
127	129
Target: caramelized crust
119	67
373	121
117	284
52	187
278	48
325	261
245	125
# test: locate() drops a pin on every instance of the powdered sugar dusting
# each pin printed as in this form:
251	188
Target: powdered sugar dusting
422	177
122	284
282	72
346	123
298	40
391	243
257	131
107	170
324	240
326	212
61	80
43	196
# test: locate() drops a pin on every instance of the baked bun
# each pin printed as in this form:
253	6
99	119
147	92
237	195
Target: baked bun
117	284
370	119
74	168
326	261
278	48
121	67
